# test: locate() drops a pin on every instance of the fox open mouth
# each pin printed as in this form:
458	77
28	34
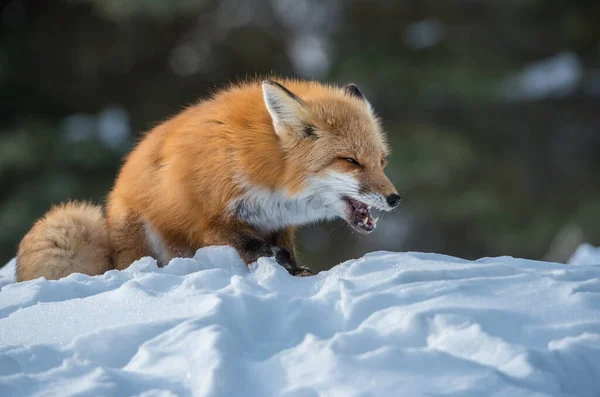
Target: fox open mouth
358	215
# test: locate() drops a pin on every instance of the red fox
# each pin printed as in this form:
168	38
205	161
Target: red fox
245	169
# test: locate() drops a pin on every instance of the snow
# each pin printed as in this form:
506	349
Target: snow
424	34
586	254
387	324
111	126
7	273
557	76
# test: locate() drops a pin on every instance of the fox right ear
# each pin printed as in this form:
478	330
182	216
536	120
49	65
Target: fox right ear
353	91
287	111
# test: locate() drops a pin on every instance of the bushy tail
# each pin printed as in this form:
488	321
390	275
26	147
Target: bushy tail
70	238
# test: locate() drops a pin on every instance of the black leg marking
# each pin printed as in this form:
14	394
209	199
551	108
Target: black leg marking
255	248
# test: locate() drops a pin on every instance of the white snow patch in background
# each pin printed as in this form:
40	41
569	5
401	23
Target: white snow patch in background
388	324
585	255
556	76
111	126
424	34
310	55
313	22
79	127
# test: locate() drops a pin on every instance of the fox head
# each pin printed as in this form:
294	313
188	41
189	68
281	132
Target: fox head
336	144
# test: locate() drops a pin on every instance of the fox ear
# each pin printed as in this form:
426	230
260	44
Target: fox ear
352	90
287	111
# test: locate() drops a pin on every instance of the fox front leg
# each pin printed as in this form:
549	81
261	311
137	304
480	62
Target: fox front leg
285	240
251	248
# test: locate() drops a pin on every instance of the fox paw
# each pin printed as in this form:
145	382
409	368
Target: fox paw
301	272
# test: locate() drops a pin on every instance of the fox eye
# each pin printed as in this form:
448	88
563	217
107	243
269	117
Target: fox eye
351	160
383	162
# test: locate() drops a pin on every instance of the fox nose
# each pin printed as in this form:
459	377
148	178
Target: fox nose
393	200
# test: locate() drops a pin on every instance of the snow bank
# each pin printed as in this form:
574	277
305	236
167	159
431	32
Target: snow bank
585	255
387	324
7	273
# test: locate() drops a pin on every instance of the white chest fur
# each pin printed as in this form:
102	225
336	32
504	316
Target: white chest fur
273	210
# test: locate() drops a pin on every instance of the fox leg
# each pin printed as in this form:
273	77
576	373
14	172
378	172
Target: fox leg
285	240
250	248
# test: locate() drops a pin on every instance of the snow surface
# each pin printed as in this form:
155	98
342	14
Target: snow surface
388	324
585	255
8	273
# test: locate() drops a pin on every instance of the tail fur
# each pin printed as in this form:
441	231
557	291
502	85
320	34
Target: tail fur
70	238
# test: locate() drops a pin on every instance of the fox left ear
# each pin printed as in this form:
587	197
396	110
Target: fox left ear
352	90
287	111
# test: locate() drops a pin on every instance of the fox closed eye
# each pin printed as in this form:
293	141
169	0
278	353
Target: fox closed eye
351	160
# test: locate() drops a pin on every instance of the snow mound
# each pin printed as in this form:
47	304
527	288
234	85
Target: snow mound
8	273
388	324
585	255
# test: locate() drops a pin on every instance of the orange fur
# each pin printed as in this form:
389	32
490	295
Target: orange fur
181	179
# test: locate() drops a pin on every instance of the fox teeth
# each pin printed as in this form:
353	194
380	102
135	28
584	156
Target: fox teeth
375	220
369	207
366	219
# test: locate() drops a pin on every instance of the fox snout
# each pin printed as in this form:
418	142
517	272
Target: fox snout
383	187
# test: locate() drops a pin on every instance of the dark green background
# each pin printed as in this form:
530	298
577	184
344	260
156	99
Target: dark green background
487	167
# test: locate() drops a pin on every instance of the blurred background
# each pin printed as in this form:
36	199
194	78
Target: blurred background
492	107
